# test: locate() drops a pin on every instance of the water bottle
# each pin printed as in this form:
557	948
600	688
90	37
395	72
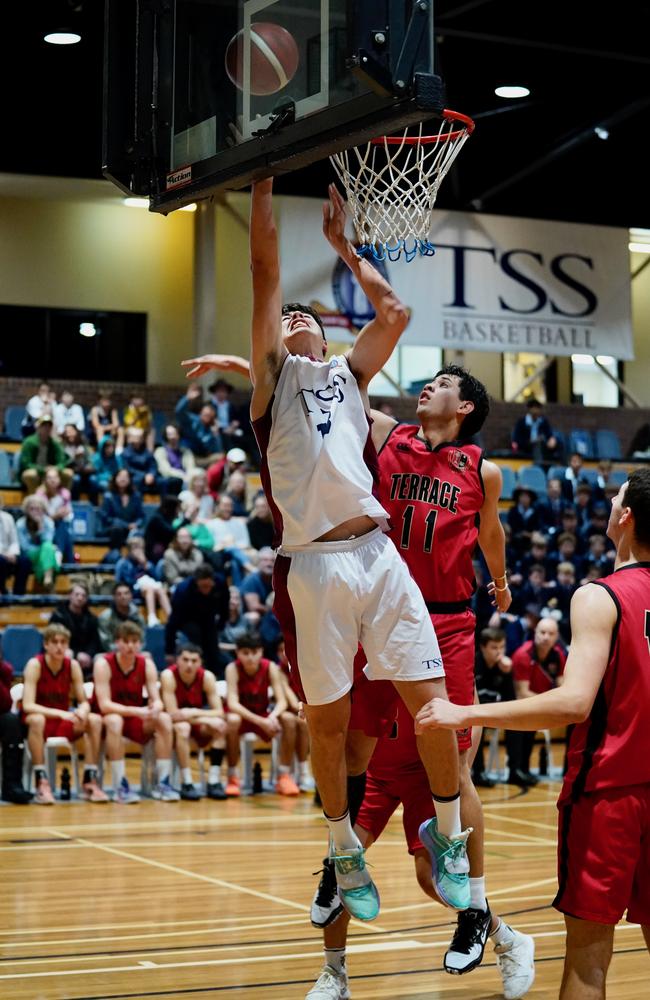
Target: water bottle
65	784
257	778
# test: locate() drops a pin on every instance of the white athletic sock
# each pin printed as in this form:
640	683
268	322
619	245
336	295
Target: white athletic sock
233	772
343	836
214	774
117	773
283	769
335	957
303	769
477	893
186	775
502	934
163	770
448	813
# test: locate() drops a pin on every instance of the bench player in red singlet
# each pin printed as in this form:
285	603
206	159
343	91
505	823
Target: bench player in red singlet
51	682
338	580
294	718
126	690
604	805
190	696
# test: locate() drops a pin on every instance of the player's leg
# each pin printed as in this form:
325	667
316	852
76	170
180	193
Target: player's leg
213	740
182	733
233	724
161	728
285	785
116	727
589	947
305	780
36	724
91	790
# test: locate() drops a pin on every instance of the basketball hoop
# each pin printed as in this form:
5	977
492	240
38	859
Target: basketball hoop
392	184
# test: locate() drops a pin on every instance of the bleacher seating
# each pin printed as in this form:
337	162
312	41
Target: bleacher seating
533	478
509	482
581	442
154	643
19	643
85	522
6	470
608	445
556	472
14	416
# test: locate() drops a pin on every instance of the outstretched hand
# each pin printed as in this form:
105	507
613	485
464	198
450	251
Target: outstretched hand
207	362
439	714
334	219
501	598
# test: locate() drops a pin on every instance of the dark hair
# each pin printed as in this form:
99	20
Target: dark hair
116	586
249	640
130	489
189	647
290	307
203	572
128	630
533	402
491	635
220	384
637	498
474	391
170	423
169	504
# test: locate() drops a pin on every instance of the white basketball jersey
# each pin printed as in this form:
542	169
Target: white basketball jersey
319	466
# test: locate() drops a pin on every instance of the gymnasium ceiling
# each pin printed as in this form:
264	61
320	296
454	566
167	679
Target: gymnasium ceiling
587	65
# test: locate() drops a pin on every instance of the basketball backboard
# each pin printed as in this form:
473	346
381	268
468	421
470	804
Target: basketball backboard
207	94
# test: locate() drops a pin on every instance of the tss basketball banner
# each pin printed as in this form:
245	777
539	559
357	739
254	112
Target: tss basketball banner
495	283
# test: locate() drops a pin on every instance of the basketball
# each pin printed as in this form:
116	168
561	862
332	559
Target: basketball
274	58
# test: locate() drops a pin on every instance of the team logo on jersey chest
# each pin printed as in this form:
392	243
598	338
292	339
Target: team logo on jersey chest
459	460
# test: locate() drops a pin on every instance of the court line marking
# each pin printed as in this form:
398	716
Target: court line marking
396	841
528	838
522	822
140	924
419	906
185	825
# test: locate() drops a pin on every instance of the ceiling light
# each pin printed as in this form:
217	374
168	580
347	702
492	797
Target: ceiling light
512	92
62	37
87	329
639	247
189	208
137	202
641	234
601	132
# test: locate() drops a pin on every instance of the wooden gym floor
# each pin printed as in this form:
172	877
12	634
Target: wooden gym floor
162	900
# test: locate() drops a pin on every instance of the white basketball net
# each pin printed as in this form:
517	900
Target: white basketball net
392	187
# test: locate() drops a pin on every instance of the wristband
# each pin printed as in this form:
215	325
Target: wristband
500	590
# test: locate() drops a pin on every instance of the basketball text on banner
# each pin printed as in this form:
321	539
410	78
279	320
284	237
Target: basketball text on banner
494	284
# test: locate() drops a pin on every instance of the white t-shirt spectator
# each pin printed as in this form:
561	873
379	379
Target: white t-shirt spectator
68	415
229	534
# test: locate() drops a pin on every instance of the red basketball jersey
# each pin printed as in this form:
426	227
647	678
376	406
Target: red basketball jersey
611	748
53	690
433	497
254	689
126	689
189	695
397	752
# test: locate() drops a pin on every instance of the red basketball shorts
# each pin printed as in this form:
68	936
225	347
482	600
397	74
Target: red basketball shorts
133	729
201	735
63	728
385	791
604	856
374	702
250	727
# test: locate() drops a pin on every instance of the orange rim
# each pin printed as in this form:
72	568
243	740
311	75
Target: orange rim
428	140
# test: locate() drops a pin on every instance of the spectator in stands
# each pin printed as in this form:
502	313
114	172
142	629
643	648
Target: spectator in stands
598	523
106	463
80	461
140	574
230	536
42	402
68	412
121	510
11	742
197	498
12	562
257	587
175	463
140	462
39	451
640	443
597	555
201	537
538	665
50	679
567	551
549	510
220	471
200	430
518	628
160	531
191	698
574	475
120	678
181	558
237	623
538	554
249	678
81	623
228	415
570	526
36	539
137	415
565	587
104	418
604	475
493	674
583	505
122	609
237	490
522	517
199	612
58	505
536	590
533	436
260	523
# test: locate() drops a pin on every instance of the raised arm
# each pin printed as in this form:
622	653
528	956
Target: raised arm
218	362
382	425
376	342
491	537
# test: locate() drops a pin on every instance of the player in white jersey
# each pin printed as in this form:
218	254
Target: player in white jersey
338	579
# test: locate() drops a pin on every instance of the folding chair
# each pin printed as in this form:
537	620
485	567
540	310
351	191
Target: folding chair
50	751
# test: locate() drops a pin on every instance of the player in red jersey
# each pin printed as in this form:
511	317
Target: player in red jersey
126	690
250	678
604	805
396	775
190	696
295	718
51	682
